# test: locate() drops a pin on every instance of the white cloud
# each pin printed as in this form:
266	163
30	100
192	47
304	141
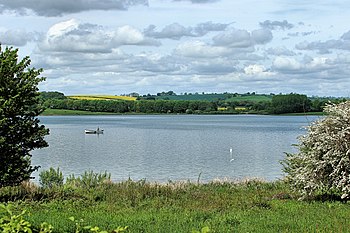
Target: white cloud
57	8
187	45
236	38
319	62
60	29
324	47
280	51
200	49
261	36
172	31
286	64
73	36
17	37
214	66
176	31
320	65
257	70
274	25
346	36
128	35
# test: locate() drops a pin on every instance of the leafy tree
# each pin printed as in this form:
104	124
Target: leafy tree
261	105
322	165
20	131
291	103
52	95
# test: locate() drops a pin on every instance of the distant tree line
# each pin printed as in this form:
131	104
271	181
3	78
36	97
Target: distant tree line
141	106
292	103
279	104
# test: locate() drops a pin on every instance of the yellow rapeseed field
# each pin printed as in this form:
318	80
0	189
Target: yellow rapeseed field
102	97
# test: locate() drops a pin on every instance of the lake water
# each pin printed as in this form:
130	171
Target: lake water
171	147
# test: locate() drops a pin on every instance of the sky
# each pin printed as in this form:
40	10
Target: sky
213	46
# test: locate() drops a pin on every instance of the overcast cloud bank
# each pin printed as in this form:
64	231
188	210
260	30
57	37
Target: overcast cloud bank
87	47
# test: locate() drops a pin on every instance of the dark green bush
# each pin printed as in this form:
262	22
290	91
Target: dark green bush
51	178
89	179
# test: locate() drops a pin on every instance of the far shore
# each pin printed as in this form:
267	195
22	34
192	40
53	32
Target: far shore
66	112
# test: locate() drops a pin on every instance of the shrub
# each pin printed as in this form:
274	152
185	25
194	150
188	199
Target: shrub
50	178
322	165
89	179
26	190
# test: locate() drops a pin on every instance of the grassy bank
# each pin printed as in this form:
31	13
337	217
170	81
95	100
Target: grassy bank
178	207
63	112
304	114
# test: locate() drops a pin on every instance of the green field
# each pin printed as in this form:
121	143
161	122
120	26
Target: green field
205	97
250	206
216	97
253	98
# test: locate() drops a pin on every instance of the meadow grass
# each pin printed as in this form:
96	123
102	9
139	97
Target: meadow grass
249	206
254	98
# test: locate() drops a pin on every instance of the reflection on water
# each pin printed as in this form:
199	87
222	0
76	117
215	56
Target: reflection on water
175	147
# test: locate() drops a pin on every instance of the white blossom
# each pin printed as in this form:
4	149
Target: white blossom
322	165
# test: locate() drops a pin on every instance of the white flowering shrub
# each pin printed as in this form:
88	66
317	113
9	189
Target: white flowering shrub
322	165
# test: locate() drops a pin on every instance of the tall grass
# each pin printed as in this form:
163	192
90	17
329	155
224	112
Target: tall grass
249	206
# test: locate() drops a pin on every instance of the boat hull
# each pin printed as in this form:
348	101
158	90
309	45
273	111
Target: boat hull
89	131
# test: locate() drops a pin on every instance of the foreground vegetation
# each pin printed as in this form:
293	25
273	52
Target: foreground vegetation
140	206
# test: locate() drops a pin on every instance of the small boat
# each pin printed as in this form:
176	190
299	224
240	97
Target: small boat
92	131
